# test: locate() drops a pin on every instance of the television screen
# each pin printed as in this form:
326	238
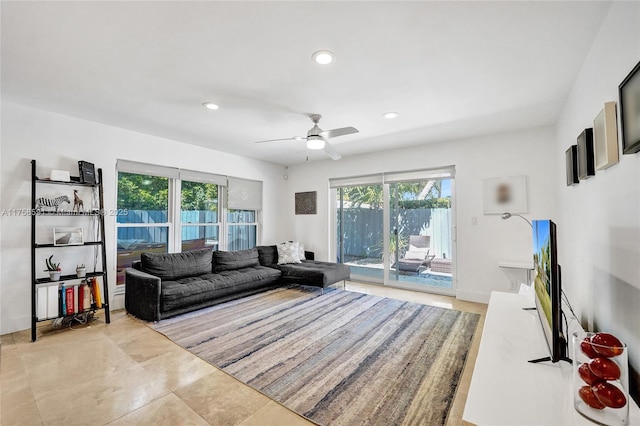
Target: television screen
547	287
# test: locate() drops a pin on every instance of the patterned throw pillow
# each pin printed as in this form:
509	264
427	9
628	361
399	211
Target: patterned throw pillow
288	253
301	251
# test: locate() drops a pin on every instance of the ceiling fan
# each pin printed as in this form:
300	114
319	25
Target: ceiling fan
317	138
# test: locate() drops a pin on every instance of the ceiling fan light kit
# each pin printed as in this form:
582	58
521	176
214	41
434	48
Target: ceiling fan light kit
315	142
317	138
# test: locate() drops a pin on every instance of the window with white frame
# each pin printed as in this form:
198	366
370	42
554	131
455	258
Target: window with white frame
172	210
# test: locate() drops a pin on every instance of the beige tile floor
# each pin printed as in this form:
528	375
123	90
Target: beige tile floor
124	373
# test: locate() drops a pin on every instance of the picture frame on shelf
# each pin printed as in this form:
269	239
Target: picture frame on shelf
572	165
68	236
605	137
586	160
505	194
629	93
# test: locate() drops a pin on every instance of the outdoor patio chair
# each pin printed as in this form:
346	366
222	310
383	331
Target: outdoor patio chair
418	254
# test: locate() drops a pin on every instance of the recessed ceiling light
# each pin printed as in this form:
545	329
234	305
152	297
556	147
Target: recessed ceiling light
390	115
323	57
210	105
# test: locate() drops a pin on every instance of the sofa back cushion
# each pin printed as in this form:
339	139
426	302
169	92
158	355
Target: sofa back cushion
173	266
268	255
229	260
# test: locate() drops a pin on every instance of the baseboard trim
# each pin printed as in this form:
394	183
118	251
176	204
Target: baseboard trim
473	296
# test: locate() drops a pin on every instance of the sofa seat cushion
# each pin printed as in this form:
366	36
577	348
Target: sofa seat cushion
194	290
174	266
315	273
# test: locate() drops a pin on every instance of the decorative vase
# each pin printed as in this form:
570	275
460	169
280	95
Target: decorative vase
601	378
81	272
55	275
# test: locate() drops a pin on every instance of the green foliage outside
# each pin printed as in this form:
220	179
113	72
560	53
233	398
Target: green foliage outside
408	193
430	203
141	192
199	196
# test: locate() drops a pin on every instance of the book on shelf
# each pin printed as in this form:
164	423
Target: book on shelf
53	301
41	302
69	300
75	298
47	302
86	291
63	299
80	298
95	292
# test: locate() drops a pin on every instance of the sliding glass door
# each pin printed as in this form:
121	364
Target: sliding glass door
360	231
420	243
397	229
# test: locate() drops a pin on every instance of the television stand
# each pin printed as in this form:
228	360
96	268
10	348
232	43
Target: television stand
548	358
505	388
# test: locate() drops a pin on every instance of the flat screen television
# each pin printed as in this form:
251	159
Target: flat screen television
548	291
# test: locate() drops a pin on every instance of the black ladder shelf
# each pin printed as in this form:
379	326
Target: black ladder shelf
99	244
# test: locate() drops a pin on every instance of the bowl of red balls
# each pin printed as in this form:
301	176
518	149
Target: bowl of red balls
600	377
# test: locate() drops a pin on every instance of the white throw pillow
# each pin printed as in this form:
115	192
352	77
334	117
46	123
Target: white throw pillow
301	251
288	253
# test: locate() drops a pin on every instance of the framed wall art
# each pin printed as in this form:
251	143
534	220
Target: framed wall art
306	202
629	92
505	195
586	163
605	137
572	165
67	237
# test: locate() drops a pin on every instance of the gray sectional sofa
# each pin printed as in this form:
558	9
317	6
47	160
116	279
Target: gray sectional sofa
163	285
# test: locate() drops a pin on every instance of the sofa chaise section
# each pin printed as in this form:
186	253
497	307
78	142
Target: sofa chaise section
307	272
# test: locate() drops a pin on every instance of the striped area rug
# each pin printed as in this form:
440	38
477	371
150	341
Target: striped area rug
338	358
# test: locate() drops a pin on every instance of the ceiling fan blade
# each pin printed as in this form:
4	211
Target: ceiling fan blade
339	132
293	138
331	152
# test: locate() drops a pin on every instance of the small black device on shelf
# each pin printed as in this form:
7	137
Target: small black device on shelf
87	172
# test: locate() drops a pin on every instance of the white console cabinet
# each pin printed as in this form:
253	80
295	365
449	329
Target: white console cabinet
508	390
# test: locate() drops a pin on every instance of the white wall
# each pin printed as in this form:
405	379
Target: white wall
58	142
599	226
480	247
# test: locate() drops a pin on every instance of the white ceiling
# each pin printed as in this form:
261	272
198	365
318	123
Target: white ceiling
451	69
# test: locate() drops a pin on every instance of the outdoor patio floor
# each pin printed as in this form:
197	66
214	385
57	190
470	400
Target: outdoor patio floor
426	277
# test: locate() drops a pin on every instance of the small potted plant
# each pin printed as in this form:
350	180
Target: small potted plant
53	268
81	271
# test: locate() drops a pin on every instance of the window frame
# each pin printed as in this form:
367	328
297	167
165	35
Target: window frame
174	222
180	225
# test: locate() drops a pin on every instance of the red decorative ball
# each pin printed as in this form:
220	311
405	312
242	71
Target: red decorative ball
587	349
589	398
606	344
609	395
604	368
586	375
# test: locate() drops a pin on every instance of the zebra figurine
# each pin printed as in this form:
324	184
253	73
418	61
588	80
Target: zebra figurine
51	202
